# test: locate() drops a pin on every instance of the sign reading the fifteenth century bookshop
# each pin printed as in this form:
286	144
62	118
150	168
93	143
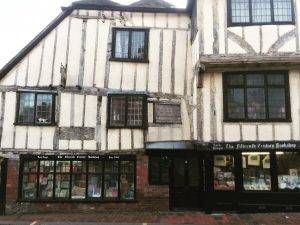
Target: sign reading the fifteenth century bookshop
277	145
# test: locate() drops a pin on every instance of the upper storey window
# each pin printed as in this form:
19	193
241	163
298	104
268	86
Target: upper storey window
257	12
127	111
130	45
35	108
256	96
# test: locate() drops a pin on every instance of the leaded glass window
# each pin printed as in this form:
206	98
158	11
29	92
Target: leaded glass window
127	111
260	11
35	108
256	96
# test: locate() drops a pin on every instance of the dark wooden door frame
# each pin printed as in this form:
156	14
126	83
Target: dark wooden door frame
201	178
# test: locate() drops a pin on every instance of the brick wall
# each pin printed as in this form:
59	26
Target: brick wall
149	198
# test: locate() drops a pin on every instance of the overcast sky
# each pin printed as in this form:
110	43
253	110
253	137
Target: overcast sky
22	20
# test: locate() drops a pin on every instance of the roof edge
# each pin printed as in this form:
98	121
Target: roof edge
66	11
15	60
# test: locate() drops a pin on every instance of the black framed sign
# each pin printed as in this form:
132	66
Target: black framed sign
272	145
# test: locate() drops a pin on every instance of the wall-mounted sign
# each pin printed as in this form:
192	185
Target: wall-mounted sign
78	157
277	145
167	113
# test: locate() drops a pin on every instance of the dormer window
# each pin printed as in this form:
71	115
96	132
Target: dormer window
258	12
130	45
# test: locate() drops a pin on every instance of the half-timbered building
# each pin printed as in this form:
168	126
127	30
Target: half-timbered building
153	107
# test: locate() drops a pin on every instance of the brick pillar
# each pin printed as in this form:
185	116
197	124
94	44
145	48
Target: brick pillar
12	186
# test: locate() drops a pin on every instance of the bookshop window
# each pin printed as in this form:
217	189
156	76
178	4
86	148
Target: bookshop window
77	180
256	171
288	170
256	96
159	170
224	177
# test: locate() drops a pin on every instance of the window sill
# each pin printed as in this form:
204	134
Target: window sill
136	128
258	24
257	121
87	201
129	60
36	125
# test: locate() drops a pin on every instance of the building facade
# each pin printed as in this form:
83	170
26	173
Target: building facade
151	107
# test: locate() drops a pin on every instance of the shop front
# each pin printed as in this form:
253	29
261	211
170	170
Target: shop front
254	176
240	176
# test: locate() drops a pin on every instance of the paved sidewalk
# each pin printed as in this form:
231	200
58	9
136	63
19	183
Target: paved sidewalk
150	218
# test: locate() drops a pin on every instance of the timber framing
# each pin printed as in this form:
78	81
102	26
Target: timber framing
238	62
66	11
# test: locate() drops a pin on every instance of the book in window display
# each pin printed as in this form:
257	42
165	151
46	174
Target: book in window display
288	170
224	178
256	174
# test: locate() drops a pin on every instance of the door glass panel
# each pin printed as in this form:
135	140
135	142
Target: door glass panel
224	172
193	173
179	172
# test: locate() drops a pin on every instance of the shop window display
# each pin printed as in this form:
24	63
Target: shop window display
111	185
224	177
256	171
78	180
127	180
288	167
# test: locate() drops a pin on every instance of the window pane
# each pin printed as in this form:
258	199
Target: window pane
275	79
121	45
138	45
46	166
111	186
283	10
111	167
63	166
256	171
164	169
62	186
235	79
79	166
46	186
95	186
288	170
277	109
78	186
255	80
256	103
261	11
127	180
29	186
240	11
26	109
44	109
30	167
235	103
224	172
179	172
117	111
95	167
135	111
